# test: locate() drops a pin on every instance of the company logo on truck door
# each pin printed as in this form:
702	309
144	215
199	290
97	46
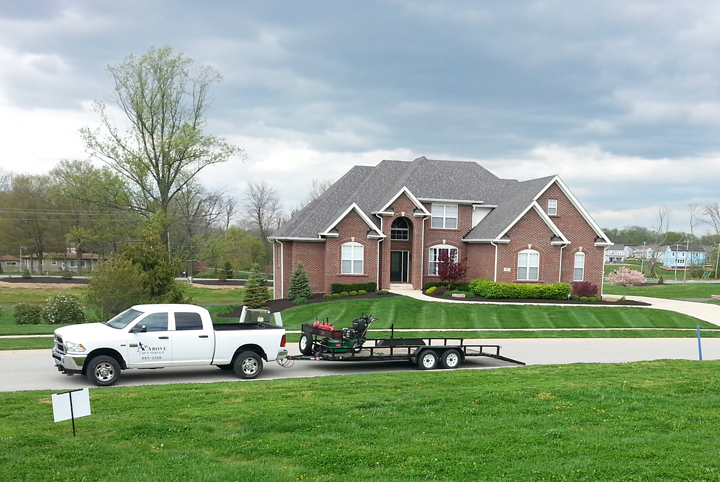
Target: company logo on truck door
150	352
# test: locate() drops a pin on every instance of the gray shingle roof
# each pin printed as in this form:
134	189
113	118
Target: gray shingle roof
371	188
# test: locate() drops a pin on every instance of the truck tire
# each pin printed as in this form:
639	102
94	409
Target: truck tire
248	364
451	359
427	360
305	344
103	370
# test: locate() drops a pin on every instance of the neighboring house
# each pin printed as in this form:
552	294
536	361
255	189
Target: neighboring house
618	253
10	264
389	223
679	256
650	251
55	262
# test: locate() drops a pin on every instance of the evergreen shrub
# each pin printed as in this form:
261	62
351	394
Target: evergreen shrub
27	314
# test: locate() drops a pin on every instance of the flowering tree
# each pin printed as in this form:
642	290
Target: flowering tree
448	269
626	277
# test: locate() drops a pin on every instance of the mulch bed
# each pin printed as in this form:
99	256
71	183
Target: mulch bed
46	280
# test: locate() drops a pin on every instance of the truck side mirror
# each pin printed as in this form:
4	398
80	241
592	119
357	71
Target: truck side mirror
139	329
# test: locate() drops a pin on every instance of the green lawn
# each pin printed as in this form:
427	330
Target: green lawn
407	312
654	421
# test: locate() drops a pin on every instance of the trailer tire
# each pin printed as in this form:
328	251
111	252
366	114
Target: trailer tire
248	364
305	344
427	360
451	359
103	370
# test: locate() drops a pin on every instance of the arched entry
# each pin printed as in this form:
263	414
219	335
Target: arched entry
400	246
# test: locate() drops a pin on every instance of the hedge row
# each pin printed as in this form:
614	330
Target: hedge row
493	290
348	287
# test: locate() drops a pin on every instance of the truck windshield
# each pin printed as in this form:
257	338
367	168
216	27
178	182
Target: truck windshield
124	319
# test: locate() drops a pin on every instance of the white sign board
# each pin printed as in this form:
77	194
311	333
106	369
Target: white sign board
80	405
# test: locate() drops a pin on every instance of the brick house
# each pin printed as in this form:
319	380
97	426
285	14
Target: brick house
389	223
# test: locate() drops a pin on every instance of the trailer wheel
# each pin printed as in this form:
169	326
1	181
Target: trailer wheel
305	344
451	359
427	360
248	364
103	370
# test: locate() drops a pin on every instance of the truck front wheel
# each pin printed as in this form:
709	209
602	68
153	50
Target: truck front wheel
103	370
248	364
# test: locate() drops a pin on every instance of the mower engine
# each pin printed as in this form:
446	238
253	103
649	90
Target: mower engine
352	338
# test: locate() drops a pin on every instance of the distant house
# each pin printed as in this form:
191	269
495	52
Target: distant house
650	251
618	253
391	222
56	262
680	256
10	264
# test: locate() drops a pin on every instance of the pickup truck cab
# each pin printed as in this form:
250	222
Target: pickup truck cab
158	336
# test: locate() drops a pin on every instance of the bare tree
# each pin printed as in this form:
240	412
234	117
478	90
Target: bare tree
263	208
317	188
712	213
663	224
694	211
6	178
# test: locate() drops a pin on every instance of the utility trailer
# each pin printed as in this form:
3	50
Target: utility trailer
351	344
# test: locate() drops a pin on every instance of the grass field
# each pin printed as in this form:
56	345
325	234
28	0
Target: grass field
650	421
667	290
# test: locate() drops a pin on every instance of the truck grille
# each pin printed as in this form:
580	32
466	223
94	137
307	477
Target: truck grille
59	346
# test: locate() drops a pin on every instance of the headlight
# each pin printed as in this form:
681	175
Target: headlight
76	347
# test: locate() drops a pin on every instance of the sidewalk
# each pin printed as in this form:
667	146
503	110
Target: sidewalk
703	311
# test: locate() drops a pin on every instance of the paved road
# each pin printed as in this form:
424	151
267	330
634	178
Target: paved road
34	369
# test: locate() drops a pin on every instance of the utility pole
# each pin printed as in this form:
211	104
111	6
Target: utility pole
687	251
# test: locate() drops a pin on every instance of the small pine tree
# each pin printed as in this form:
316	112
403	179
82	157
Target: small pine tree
256	293
228	270
299	284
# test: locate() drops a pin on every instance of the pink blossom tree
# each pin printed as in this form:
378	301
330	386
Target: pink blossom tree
626	277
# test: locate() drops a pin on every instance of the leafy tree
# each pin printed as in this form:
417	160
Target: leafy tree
165	147
299	284
626	277
140	273
256	293
449	270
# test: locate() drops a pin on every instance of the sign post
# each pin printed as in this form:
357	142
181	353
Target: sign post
72	404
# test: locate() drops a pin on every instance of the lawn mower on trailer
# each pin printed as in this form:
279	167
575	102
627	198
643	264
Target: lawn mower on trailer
322	337
321	341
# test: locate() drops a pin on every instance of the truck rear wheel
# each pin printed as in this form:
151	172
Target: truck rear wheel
103	370
451	359
305	344
248	364
427	360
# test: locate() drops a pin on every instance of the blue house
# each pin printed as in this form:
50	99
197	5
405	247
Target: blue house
679	256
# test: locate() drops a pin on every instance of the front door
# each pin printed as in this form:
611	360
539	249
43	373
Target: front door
399	266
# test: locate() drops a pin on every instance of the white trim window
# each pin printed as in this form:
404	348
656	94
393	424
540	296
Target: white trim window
400	230
552	207
579	270
528	268
434	257
444	216
353	258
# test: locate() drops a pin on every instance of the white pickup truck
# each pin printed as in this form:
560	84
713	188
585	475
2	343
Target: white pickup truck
158	336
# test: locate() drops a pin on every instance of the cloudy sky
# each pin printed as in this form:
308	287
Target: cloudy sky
621	99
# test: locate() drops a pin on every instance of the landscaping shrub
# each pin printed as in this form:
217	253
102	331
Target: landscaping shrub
661	280
440	291
256	293
460	285
26	274
64	309
329	296
584	288
299	301
490	289
226	310
353	293
67	274
222	276
344	294
382	292
340	287
362	292
430	290
371	286
27	314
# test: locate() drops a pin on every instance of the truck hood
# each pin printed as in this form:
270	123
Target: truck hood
86	332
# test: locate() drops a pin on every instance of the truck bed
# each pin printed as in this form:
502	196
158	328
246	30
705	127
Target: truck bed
245	326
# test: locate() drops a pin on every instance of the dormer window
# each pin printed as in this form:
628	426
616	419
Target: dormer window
552	207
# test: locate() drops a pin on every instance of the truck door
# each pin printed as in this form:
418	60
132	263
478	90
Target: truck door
191	344
149	343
